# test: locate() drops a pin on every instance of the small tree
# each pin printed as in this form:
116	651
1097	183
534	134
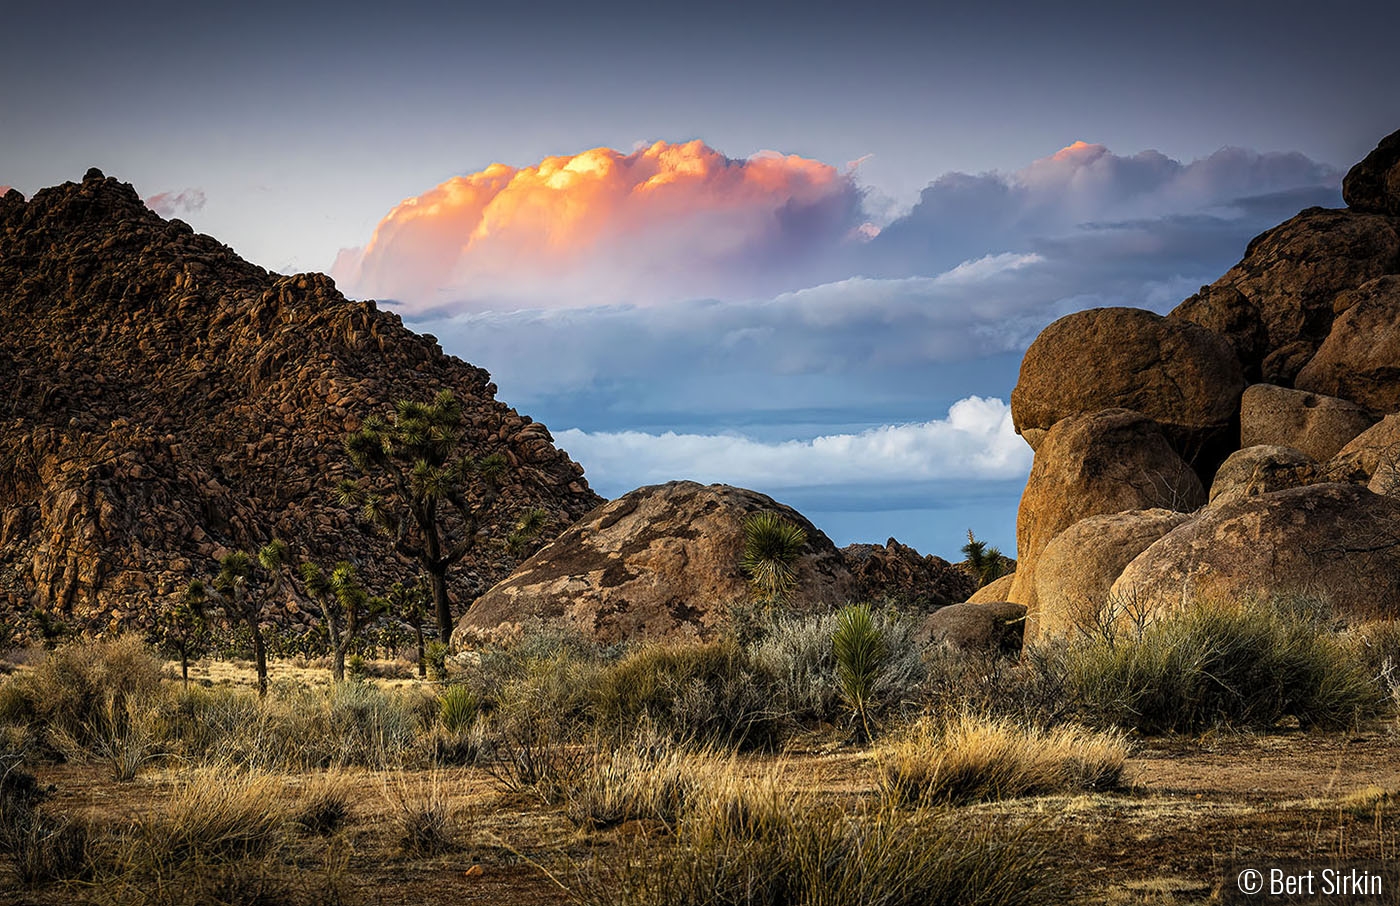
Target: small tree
423	490
183	628
243	592
986	563
772	546
345	608
859	647
411	604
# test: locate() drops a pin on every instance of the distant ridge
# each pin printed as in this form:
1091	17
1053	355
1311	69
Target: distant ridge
163	401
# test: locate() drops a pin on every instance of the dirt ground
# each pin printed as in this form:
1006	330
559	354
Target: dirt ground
1194	808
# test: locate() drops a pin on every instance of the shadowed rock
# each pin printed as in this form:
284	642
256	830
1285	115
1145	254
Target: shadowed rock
996	626
1360	359
1262	469
1373	185
1315	424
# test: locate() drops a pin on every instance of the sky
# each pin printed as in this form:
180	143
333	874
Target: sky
795	248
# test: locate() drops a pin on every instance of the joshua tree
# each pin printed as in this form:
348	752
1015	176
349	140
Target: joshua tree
243	593
860	650
772	546
183	629
345	608
423	490
987	563
410	603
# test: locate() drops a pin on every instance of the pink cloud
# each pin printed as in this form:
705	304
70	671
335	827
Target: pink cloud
665	222
171	204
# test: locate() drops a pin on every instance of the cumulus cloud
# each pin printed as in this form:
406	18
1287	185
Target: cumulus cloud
665	222
974	441
173	204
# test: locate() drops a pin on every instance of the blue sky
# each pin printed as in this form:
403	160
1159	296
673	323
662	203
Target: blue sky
848	341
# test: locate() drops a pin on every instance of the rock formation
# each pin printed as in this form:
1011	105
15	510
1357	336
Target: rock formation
1310	317
996	626
166	402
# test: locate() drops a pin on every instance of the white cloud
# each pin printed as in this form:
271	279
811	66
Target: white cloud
975	441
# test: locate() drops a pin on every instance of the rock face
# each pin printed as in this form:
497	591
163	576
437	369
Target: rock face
995	627
1181	375
1373	458
1078	567
659	562
1339	541
1262	470
1360	359
1290	277
168	402
1374	184
896	573
1315	424
995	590
1107	462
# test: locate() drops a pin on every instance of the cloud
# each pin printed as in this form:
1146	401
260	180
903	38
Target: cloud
172	204
975	441
663	223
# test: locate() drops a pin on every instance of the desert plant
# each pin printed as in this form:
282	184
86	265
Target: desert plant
66	693
325	809
526	530
973	758
772	546
346	607
219	813
458	707
412	603
420	487
422	816
987	564
860	651
1244	664
646	780
243	593
183	629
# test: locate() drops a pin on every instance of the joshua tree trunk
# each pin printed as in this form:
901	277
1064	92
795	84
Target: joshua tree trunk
422	653
442	605
259	655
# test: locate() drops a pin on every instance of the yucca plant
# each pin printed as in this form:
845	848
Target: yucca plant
772	546
860	651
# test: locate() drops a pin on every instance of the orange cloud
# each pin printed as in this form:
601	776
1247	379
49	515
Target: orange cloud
665	222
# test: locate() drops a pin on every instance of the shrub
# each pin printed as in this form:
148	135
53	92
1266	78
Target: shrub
68	691
457	709
860	652
325	808
422	817
710	694
973	758
218	814
1247	664
636	782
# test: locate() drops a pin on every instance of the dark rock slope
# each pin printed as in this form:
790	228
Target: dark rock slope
163	401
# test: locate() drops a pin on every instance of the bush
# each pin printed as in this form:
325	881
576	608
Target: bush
637	782
710	694
1248	664
973	758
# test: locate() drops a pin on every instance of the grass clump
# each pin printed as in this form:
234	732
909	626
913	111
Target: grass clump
973	758
638	782
752	843
1249	665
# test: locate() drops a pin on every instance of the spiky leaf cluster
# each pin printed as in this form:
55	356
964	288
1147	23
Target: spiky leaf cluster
772	546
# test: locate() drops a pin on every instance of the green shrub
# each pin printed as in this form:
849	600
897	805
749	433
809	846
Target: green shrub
1246	664
710	694
68	691
860	651
457	709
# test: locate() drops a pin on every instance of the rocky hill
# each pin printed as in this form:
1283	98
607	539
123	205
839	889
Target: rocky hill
163	402
1245	444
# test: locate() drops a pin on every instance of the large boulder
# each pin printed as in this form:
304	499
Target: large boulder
995	590
1373	185
1360	359
1316	424
1181	375
1262	469
997	626
659	562
1107	462
1372	458
1337	541
1078	567
898	574
1290	276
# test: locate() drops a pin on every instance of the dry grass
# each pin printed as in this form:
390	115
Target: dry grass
974	759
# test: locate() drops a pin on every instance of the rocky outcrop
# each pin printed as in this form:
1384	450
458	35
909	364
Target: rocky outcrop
1077	569
167	402
1336	541
1360	359
1373	185
995	590
1286	284
897	574
1090	465
1315	424
659	562
1372	458
1262	470
992	627
1183	376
